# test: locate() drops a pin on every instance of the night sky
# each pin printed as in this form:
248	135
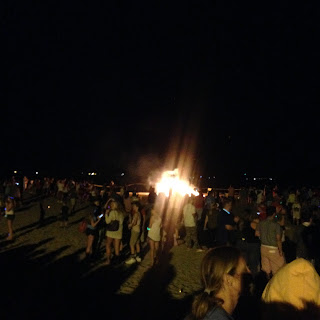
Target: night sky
122	86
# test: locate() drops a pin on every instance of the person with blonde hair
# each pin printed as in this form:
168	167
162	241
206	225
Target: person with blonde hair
222	269
154	234
113	212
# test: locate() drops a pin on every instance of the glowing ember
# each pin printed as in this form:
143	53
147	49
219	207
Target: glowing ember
170	182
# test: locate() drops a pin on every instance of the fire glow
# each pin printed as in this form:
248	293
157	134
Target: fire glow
170	182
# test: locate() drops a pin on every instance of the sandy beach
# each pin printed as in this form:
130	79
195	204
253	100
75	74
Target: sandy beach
44	275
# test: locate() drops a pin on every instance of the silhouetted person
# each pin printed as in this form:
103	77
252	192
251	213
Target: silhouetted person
42	214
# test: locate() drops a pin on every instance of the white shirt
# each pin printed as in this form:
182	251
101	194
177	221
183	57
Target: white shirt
188	211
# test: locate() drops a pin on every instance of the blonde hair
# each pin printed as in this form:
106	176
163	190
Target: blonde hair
215	264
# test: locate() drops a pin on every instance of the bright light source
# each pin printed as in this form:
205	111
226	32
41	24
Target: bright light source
171	182
37	172
89	174
15	171
200	176
122	174
270	178
254	178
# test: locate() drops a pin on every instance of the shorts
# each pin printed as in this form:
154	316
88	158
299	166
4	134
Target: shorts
10	216
135	238
91	232
271	261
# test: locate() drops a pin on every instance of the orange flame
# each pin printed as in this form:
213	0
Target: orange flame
170	182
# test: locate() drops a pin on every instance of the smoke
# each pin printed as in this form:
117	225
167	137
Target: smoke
146	169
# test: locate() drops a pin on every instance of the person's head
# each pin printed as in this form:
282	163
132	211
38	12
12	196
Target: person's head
271	210
227	204
126	194
213	205
135	206
10	200
222	269
113	205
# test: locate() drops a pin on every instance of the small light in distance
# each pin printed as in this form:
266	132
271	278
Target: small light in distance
37	172
122	174
15	171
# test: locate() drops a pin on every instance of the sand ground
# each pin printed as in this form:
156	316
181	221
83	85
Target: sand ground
44	275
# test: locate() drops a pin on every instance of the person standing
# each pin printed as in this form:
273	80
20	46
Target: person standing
270	234
227	224
135	227
296	211
113	237
92	233
211	223
10	215
190	220
154	234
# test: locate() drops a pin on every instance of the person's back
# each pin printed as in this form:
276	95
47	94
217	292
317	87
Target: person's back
268	229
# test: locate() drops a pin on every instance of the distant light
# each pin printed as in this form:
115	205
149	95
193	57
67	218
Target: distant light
37	172
245	174
15	171
254	178
122	174
48	207
17	183
270	178
200	176
89	174
208	177
214	177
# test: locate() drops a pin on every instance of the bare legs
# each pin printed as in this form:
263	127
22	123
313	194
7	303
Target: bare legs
116	245
10	230
154	248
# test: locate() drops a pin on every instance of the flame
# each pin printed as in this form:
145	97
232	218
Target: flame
171	182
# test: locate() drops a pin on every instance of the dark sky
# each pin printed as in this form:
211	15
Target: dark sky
119	86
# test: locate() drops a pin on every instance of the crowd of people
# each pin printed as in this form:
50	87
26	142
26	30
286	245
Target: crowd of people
261	230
